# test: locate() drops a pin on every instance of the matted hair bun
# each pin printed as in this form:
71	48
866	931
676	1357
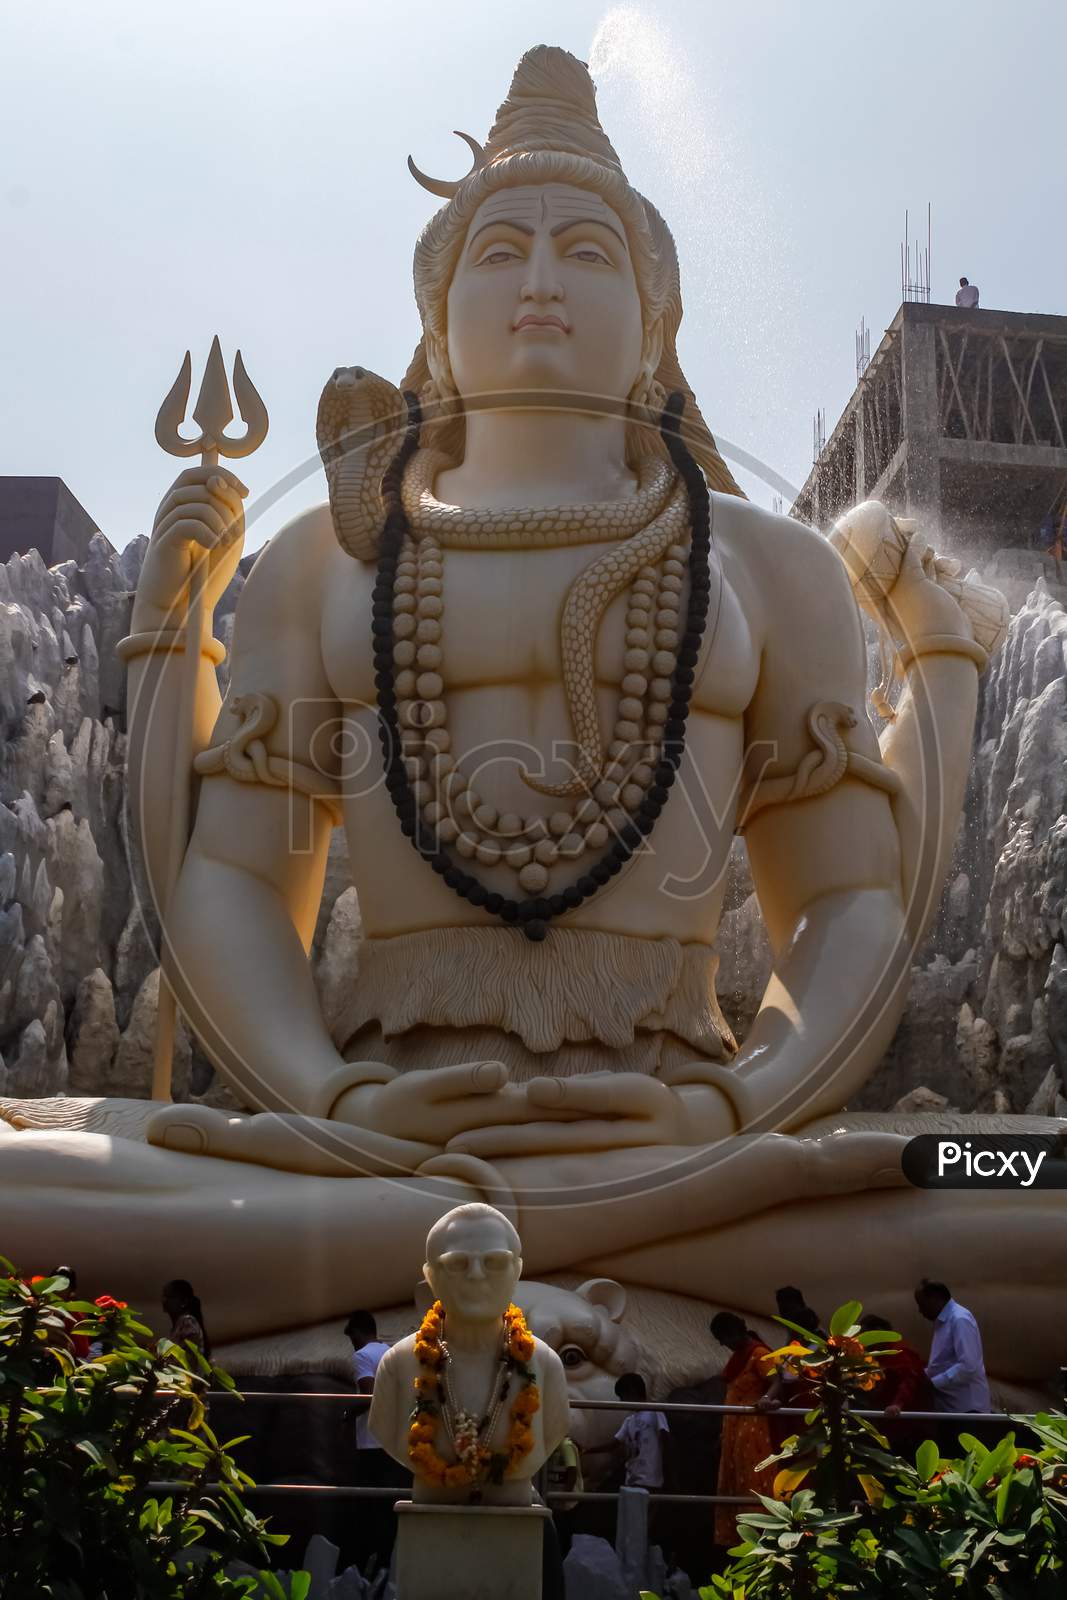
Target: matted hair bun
551	105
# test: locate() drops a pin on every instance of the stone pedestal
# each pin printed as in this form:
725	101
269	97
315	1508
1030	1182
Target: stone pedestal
469	1552
631	1535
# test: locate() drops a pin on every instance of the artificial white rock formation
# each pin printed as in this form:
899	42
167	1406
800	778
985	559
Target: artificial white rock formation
76	935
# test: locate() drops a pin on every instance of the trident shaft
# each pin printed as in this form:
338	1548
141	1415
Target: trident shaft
214	413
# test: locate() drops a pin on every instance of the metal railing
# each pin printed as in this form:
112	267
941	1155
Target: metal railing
341	1491
666	1406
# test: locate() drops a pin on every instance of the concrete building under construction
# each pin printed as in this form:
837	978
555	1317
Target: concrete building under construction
959	420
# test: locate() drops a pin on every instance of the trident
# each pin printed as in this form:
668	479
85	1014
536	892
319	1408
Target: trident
213	411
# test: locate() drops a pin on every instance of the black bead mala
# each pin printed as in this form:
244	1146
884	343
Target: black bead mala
534	915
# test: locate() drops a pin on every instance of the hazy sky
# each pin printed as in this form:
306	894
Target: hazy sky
175	169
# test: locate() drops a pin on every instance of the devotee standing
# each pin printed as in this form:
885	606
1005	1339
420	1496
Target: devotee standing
746	1440
639	1442
374	1526
903	1386
186	1316
563	1475
367	1351
956	1367
790	1386
640	1439
641	1436
793	1306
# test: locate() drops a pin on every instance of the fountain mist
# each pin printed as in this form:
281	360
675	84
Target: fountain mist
685	158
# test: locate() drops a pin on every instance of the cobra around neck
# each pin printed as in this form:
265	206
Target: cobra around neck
539	458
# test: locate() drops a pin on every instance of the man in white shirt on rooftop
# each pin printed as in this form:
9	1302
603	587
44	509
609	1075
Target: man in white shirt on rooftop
956	1367
967	295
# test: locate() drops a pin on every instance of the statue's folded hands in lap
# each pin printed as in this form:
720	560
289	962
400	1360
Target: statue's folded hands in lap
541	660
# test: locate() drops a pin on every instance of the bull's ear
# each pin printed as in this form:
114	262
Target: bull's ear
423	1298
605	1293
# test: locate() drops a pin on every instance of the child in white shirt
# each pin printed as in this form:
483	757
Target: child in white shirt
640	1439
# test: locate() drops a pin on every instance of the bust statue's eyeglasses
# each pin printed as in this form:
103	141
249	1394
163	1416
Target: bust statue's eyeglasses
459	1262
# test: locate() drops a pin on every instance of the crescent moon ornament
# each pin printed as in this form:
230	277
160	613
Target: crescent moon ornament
445	188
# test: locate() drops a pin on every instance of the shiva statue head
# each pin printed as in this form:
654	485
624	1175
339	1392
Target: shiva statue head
546	274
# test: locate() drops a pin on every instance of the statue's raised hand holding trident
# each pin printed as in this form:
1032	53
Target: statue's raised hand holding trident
196	544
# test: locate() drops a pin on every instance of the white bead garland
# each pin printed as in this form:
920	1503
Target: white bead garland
530	846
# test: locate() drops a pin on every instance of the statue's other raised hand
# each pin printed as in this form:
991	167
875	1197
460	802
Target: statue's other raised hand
917	604
906	587
202	511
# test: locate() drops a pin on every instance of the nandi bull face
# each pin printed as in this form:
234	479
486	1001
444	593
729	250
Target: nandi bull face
584	1328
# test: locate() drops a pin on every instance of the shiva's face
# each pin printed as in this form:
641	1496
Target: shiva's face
544	296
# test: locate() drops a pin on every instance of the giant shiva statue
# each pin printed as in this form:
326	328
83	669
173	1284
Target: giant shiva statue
541	660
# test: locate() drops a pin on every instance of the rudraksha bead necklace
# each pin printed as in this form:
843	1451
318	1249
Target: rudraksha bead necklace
404	587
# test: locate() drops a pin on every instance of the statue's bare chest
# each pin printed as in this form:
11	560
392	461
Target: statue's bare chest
501	628
510	712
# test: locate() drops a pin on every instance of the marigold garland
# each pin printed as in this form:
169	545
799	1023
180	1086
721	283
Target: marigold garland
491	1466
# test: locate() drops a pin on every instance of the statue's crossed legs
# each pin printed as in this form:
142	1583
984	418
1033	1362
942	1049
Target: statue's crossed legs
271	1247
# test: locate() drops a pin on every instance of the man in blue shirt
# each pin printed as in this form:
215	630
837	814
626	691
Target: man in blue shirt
372	1526
956	1367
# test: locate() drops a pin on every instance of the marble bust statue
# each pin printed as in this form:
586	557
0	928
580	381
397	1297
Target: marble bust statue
476	1400
541	660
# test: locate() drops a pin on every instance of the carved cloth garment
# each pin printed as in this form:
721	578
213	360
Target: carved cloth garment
581	1001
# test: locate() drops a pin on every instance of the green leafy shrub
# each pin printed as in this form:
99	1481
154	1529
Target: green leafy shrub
990	1522
85	1440
834	1449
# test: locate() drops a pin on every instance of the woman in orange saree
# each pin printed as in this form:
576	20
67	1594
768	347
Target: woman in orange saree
746	1440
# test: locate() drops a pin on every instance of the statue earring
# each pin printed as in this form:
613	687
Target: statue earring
646	400
429	397
438	396
638	395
